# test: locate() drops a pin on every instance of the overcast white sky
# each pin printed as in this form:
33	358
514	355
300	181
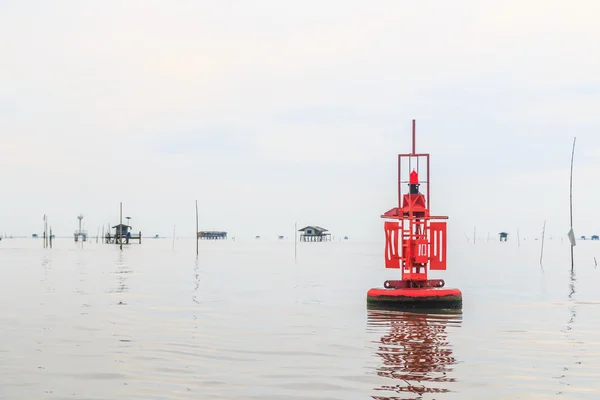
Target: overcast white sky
272	112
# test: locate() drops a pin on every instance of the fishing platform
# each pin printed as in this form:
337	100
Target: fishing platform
80	234
122	235
415	243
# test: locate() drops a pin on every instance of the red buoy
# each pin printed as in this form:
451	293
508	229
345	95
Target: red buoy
415	243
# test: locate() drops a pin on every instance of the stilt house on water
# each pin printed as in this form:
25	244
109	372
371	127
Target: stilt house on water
314	234
122	234
503	236
212	235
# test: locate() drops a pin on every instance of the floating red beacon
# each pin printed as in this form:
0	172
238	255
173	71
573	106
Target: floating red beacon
415	242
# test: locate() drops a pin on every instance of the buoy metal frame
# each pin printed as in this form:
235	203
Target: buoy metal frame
415	242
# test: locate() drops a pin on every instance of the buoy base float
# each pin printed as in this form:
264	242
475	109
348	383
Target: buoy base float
431	298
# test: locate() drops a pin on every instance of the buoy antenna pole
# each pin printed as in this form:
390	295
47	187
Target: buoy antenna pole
414	137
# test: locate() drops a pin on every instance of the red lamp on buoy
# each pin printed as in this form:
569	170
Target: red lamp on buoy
415	243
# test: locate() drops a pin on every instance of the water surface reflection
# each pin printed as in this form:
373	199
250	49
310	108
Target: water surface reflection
563	378
123	269
415	352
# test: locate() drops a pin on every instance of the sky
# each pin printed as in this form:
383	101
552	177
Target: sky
271	113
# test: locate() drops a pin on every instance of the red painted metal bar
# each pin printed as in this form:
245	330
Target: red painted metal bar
428	186
396	284
413	155
414	134
400	179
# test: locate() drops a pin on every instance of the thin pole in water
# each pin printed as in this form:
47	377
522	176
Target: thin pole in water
121	226
50	237
518	239
474	234
174	237
542	251
196	228
571	234
44	233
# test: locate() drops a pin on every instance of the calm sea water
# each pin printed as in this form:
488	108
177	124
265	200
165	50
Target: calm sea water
244	321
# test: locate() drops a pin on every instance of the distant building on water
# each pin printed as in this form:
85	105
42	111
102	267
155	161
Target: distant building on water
314	234
212	235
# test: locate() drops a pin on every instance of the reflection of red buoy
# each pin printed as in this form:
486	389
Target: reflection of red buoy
416	353
415	244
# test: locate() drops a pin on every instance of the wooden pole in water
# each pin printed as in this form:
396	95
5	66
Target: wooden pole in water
295	240
518	239
44	233
50	237
542	251
121	226
196	228
571	205
174	237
